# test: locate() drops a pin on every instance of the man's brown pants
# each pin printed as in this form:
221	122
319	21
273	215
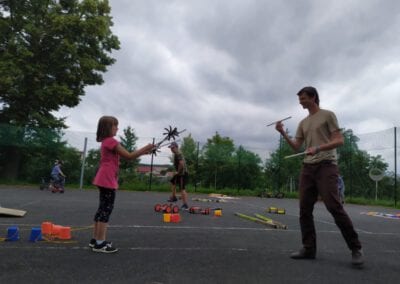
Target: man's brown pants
322	179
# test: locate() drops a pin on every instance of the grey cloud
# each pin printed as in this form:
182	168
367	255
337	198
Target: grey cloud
233	66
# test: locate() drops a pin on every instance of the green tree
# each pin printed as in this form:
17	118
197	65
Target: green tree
355	164
127	167
280	171
92	164
49	52
38	149
248	169
217	163
128	141
189	151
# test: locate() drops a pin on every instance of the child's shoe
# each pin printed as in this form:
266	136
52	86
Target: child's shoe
172	199
104	247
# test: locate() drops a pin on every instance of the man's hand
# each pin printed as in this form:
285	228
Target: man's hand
312	150
279	127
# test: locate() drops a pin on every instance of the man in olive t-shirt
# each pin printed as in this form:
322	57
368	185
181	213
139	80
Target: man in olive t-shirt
320	134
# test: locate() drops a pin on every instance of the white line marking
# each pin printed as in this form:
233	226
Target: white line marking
177	227
131	248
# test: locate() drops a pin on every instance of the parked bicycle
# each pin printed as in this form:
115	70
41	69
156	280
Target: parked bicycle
268	194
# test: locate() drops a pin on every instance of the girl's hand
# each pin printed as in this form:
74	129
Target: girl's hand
148	149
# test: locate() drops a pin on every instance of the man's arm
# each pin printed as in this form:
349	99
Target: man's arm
335	141
294	143
181	167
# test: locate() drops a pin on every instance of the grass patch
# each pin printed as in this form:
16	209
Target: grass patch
372	202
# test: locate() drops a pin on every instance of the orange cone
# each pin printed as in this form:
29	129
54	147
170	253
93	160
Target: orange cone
55	230
47	228
65	233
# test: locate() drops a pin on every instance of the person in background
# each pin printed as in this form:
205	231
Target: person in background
57	177
181	176
321	135
341	188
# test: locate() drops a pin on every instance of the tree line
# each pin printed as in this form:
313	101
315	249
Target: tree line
218	164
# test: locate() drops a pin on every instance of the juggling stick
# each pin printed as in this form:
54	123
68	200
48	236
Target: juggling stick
295	155
170	133
286	118
169	143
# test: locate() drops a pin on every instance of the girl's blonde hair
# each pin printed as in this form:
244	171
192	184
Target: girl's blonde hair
104	127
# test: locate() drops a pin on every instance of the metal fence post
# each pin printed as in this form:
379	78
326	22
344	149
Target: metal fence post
83	163
197	167
395	166
151	167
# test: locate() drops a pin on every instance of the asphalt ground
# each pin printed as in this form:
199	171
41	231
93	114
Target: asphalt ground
199	249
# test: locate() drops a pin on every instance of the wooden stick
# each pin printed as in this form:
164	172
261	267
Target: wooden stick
12	212
279	224
169	143
295	155
269	224
286	118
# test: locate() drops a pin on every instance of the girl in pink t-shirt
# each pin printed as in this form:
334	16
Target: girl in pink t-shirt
106	179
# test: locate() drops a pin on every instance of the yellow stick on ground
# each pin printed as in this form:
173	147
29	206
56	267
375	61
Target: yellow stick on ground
259	221
280	225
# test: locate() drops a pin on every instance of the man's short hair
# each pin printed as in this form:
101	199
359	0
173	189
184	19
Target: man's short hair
311	92
173	144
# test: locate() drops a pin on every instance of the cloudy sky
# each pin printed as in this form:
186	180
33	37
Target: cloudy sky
234	66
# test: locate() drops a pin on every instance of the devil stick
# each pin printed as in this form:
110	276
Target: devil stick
170	133
295	155
286	118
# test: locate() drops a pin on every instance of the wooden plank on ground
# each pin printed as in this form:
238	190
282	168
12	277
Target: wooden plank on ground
12	212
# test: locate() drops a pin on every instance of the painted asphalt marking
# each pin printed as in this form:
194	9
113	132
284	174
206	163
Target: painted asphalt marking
129	248
240	250
173	227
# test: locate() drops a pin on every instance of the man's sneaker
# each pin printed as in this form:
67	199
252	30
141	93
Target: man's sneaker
303	254
185	207
172	199
104	247
357	257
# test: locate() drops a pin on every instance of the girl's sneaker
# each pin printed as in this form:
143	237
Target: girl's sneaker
104	247
172	199
92	243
